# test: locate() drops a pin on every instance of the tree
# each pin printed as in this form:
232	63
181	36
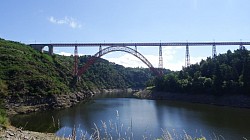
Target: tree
246	76
226	74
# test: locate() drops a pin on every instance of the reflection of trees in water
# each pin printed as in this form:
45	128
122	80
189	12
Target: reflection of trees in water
52	121
162	114
222	120
41	122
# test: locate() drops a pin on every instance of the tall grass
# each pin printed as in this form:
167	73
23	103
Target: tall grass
115	130
4	121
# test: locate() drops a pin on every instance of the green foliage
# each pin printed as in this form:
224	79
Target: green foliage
104	74
226	73
25	71
3	116
3	88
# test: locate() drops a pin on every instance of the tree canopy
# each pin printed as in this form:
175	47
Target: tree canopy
225	74
25	71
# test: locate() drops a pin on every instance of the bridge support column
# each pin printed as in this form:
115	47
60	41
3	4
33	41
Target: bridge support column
214	53
50	50
187	58
160	67
135	49
160	58
100	50
38	47
75	69
241	47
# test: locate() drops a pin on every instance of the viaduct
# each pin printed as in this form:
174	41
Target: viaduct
128	47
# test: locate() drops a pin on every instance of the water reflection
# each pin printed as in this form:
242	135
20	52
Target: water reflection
144	117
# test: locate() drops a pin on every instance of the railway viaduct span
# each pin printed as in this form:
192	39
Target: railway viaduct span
128	47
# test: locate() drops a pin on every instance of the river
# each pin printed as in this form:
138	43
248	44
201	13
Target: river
140	118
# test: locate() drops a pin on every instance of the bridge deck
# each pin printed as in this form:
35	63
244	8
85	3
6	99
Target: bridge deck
143	44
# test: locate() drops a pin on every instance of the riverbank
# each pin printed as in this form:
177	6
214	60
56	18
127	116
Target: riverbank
147	117
240	101
12	133
28	104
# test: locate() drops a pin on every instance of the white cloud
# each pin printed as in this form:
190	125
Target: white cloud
71	22
194	60
127	60
169	59
65	54
174	66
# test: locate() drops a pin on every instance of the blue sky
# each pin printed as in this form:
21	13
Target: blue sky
47	21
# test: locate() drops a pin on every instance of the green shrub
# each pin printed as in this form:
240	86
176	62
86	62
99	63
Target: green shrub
3	88
4	121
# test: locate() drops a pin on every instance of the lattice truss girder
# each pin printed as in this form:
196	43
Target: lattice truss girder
113	49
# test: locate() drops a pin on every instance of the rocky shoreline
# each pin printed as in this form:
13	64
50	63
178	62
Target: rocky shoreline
28	104
239	101
32	104
13	133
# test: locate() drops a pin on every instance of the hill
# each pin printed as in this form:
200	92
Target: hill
223	75
31	80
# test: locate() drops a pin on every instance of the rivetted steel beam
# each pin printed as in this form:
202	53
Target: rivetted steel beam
113	49
160	58
187	57
75	69
142	44
214	53
50	49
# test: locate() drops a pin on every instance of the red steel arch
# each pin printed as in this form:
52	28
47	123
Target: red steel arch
107	50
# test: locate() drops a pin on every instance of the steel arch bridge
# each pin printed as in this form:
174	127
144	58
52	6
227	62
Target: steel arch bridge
110	49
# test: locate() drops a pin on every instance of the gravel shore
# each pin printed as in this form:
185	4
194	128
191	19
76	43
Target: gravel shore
12	133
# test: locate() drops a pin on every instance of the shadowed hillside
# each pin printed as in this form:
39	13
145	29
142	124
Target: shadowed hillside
30	78
225	74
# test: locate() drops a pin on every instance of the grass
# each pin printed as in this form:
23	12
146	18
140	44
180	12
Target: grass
4	121
114	130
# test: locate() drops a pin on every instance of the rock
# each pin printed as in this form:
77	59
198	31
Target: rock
32	103
10	133
26	137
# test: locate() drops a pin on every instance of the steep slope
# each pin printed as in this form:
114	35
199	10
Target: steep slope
31	78
225	74
25	71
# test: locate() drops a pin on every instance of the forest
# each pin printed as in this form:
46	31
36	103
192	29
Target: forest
25	71
224	74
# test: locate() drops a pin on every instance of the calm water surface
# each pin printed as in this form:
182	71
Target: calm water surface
142	118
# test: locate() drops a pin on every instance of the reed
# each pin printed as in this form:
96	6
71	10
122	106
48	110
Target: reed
114	130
